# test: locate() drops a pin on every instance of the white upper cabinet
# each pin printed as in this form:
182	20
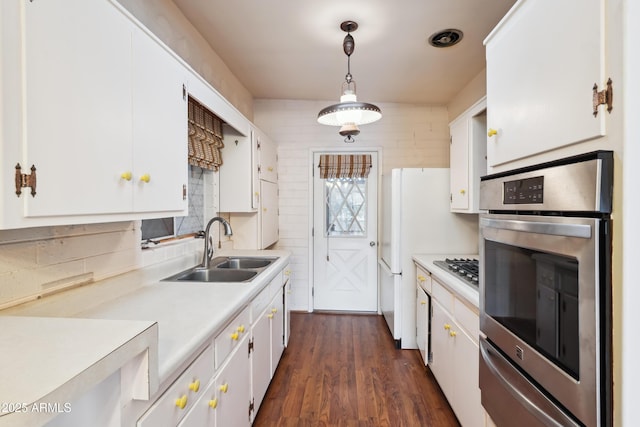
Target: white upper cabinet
543	60
239	188
101	116
269	228
268	158
159	128
468	157
77	76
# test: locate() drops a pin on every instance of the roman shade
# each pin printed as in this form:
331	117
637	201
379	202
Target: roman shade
344	165
205	137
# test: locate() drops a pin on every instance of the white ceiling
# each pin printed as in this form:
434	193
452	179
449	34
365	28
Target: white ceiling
292	49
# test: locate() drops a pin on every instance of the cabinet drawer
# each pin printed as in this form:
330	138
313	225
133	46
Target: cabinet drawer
232	334
444	297
172	406
260	303
468	319
275	285
423	279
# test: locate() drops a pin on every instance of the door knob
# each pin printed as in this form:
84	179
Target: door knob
372	243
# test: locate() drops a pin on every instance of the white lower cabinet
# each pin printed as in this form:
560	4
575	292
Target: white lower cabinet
174	404
261	359
225	402
277	330
268	340
234	390
422	323
226	383
454	361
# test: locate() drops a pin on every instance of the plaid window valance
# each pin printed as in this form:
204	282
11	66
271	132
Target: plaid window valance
205	137
344	165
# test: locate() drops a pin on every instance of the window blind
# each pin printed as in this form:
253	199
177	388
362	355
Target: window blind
205	137
344	165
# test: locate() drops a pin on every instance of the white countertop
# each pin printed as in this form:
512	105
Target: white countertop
182	317
454	284
36	369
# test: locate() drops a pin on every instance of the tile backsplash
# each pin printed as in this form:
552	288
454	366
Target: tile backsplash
40	260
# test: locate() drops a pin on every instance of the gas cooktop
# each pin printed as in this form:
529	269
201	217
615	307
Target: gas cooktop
466	269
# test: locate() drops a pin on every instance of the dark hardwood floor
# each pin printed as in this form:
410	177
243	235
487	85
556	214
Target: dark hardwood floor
344	370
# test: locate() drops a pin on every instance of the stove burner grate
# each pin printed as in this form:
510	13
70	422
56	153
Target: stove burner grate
466	269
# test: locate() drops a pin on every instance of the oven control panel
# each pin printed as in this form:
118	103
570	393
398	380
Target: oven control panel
524	191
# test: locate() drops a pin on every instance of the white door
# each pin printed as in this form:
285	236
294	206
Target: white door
345	241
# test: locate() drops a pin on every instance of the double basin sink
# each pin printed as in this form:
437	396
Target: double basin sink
225	269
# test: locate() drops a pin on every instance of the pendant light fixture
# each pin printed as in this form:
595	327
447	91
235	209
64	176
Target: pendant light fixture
349	113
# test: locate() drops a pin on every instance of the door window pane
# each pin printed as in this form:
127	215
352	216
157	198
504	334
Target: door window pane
345	206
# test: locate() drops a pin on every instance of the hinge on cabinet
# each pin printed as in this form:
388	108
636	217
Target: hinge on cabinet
251	406
430	357
605	96
184	192
184	93
250	347
259	168
24	180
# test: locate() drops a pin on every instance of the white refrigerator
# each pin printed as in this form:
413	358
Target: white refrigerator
416	219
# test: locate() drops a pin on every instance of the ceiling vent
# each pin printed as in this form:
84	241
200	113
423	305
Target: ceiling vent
445	38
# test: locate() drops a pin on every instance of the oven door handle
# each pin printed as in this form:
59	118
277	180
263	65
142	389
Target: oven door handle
556	229
510	377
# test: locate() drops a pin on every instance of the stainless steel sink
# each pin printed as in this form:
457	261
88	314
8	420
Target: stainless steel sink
241	263
216	275
225	269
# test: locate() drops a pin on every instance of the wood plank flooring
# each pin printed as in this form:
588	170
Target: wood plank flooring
344	370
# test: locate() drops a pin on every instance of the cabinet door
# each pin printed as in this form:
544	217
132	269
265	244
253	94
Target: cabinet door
78	126
286	273
459	163
234	390
260	359
442	364
268	213
466	404
277	330
542	64
159	127
238	173
267	152
422	322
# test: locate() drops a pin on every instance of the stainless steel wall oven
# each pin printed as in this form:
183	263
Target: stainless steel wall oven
545	293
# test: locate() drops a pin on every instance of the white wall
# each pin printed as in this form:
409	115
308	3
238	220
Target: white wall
468	95
409	135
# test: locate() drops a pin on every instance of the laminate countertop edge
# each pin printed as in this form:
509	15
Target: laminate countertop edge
459	288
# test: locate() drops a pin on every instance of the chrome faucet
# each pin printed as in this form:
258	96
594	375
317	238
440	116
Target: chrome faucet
206	257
